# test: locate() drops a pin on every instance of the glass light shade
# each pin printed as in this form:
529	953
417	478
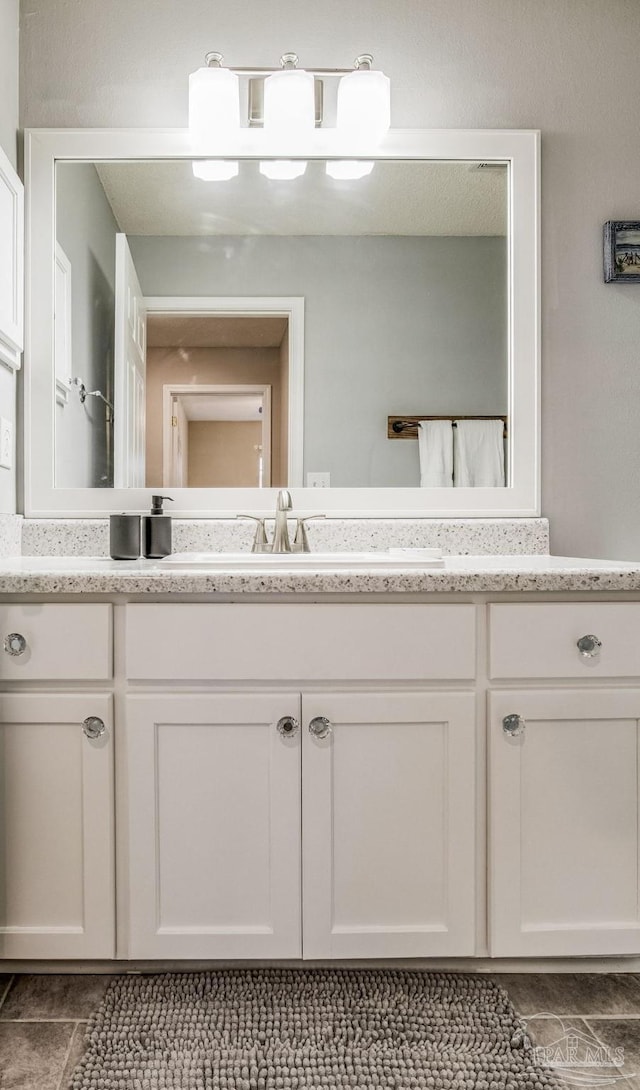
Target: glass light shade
283	170
214	105
348	170
215	170
364	106
289	103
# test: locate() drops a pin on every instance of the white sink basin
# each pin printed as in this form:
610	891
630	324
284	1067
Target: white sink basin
403	559
393	558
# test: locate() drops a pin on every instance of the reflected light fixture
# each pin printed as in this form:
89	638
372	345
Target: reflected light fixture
348	170
214	103
215	170
283	170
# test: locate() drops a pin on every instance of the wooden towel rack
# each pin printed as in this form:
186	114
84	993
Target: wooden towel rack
406	427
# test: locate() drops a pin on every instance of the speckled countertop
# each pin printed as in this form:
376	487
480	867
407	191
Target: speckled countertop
463	574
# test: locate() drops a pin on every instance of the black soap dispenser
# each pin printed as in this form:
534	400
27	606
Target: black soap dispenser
156	530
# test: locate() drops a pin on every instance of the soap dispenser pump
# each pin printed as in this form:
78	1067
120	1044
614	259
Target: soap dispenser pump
156	530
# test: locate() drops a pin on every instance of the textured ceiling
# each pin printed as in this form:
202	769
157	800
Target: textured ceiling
214	331
398	198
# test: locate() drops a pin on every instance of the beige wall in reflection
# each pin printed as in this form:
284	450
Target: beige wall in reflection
223	453
211	366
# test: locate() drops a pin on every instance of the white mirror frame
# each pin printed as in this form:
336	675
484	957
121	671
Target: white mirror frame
520	148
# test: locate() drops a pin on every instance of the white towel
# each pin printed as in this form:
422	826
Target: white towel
435	445
478	454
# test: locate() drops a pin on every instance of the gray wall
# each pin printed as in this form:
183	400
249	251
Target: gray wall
9	11
564	66
86	230
9	19
392	325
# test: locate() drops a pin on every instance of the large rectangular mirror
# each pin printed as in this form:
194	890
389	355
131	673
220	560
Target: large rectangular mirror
376	337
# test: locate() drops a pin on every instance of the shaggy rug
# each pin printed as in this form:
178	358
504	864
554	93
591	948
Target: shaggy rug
288	1029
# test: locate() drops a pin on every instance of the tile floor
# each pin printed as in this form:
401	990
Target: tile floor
43	1020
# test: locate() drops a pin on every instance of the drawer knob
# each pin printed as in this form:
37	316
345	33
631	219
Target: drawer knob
15	644
94	727
589	646
320	727
513	725
288	726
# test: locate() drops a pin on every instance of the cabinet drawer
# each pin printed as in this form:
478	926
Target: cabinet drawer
541	640
61	642
307	642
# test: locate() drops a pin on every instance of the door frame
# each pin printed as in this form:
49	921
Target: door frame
251	306
169	391
130	330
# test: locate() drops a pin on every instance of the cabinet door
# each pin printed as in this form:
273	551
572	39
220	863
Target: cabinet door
214	810
564	812
56	827
389	825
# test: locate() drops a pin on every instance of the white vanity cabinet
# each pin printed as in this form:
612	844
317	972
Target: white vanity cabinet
303	821
564	779
307	780
56	783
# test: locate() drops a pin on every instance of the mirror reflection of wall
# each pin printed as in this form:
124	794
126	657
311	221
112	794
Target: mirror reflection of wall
404	280
86	231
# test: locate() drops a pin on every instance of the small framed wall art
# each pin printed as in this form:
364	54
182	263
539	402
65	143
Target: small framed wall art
622	251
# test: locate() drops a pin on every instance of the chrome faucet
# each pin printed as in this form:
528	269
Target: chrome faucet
281	543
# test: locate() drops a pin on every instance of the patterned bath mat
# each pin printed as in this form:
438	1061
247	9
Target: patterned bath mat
288	1029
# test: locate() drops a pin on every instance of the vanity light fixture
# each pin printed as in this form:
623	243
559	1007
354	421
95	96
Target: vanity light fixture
364	103
289	101
214	102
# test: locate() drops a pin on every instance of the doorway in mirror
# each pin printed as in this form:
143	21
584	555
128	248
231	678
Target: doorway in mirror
217	400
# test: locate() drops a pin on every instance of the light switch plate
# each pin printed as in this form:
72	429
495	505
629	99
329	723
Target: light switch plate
318	480
6	443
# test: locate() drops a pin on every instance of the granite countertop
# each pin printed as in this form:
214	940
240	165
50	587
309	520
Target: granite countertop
463	574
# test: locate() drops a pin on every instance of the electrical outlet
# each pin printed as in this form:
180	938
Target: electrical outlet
6	443
318	480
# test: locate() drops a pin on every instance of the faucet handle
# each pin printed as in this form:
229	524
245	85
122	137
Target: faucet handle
301	539
260	541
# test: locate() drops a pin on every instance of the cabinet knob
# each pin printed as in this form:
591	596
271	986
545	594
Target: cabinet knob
513	725
589	646
15	644
320	727
288	726
93	727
